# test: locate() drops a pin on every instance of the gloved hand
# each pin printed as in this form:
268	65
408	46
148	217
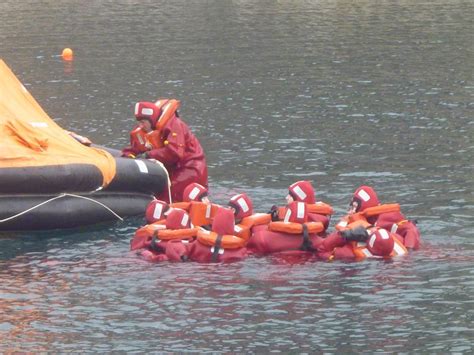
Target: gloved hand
143	155
274	213
358	234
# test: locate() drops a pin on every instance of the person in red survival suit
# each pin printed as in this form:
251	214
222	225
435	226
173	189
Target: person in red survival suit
366	205
177	228
196	192
163	136
246	221
360	243
217	245
365	210
303	191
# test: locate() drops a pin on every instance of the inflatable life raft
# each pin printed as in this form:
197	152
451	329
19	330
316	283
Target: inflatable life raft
49	180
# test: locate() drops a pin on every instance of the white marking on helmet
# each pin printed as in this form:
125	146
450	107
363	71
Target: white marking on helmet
372	239
384	234
243	204
147	111
299	192
363	195
194	192
137	106
394	228
287	215
184	220
158	210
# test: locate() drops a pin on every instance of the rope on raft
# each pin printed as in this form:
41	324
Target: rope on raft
167	177
86	198
56	198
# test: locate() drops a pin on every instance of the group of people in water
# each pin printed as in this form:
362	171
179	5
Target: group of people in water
200	230
186	225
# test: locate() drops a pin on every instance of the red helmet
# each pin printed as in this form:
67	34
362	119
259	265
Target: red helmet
223	222
302	191
178	219
147	111
296	212
155	211
242	204
194	192
365	197
380	243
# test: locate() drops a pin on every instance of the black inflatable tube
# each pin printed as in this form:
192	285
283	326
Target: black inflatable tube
50	179
138	175
132	175
68	210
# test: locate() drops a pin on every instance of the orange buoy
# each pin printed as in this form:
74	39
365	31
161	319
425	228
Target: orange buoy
67	54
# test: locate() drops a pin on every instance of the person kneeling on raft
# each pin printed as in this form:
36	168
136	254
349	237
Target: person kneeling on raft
163	136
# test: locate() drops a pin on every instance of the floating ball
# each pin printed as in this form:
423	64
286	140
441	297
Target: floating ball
67	54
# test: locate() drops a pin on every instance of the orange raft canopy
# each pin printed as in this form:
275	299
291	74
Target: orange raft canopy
40	161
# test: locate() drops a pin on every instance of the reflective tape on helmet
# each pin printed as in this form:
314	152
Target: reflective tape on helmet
384	234
299	192
194	192
158	211
185	220
372	239
363	195
243	204
394	228
146	111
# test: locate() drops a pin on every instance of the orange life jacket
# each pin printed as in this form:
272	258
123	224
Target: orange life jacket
361	251
225	241
296	228
139	139
345	225
176	234
349	220
201	213
183	205
244	228
318	208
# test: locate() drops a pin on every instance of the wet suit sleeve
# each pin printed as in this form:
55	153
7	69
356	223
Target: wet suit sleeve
174	145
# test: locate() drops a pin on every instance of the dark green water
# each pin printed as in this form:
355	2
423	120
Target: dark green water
341	93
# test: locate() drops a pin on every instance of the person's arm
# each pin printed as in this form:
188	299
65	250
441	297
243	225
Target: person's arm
129	152
174	145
